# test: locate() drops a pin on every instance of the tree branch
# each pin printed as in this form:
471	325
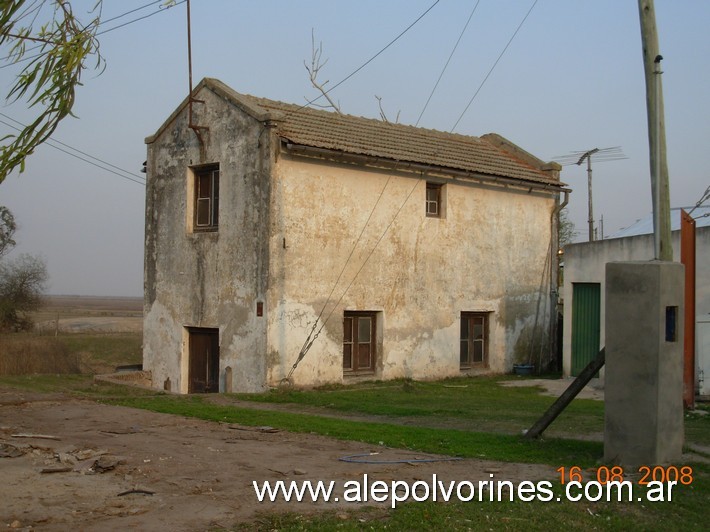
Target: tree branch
314	69
49	80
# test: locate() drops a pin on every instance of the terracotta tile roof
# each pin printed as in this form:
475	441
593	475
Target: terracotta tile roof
396	142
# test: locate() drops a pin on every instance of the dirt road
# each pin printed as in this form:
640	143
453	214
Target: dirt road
111	468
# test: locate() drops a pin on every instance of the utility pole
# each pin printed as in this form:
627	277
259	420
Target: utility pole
656	133
614	153
590	219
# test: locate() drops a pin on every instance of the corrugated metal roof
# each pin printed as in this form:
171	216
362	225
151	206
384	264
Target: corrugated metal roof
396	142
644	226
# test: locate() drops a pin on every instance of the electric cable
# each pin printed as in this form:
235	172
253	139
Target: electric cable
131	174
149	4
494	65
52	143
447	62
307	347
358	69
160	10
309	339
703	199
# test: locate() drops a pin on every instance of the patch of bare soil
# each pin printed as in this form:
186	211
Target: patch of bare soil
556	387
72	464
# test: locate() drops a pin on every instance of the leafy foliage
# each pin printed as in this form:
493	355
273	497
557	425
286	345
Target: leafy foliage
48	81
7	230
22	282
567	231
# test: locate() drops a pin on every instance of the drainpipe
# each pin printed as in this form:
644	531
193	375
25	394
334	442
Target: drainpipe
554	271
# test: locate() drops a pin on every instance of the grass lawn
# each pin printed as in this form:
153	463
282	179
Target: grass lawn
485	420
468	403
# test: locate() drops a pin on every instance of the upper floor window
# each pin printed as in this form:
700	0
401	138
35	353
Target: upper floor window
434	200
206	198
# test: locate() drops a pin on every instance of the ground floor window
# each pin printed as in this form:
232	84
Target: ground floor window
474	339
359	341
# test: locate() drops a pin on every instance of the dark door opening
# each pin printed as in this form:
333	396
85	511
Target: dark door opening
203	375
586	324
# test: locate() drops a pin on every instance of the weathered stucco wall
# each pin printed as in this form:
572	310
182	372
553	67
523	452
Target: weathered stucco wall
287	225
489	253
585	263
209	279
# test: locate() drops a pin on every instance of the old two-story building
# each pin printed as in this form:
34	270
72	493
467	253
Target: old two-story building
362	249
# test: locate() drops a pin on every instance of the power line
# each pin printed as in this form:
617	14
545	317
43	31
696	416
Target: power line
103	165
447	62
312	338
101	23
358	69
614	153
308	342
494	65
703	199
161	10
131	11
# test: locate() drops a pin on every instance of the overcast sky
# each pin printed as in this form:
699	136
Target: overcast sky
571	80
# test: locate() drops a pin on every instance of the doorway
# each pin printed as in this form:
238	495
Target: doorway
203	353
586	324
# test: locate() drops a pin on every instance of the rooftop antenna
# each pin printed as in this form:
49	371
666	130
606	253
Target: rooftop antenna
191	99
600	155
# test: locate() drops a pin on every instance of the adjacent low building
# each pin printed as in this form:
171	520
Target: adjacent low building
584	283
278	235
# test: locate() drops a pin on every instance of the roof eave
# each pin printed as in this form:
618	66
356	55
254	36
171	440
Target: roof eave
549	185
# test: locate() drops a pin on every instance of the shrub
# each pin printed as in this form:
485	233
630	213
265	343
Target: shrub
23	354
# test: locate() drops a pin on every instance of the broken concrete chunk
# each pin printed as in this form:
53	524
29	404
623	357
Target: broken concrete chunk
10	451
106	463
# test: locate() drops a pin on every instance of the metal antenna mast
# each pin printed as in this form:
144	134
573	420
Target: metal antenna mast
601	155
191	99
590	220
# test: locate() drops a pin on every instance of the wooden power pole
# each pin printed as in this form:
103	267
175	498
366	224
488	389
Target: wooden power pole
656	133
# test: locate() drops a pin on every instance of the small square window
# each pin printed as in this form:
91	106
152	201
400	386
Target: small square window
206	198
434	200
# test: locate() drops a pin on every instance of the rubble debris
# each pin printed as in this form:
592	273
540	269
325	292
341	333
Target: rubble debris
266	428
10	451
105	463
139	491
47	470
36	436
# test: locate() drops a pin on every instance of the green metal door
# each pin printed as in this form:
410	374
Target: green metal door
585	324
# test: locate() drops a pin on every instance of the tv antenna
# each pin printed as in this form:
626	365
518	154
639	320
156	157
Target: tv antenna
601	155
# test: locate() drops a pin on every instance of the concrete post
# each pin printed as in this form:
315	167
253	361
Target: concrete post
644	363
228	379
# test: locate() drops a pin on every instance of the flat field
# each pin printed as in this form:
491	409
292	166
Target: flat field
86	314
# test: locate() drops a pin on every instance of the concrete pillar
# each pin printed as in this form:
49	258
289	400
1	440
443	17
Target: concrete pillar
228	379
643	388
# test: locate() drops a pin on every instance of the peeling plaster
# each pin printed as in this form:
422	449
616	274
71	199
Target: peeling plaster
287	226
